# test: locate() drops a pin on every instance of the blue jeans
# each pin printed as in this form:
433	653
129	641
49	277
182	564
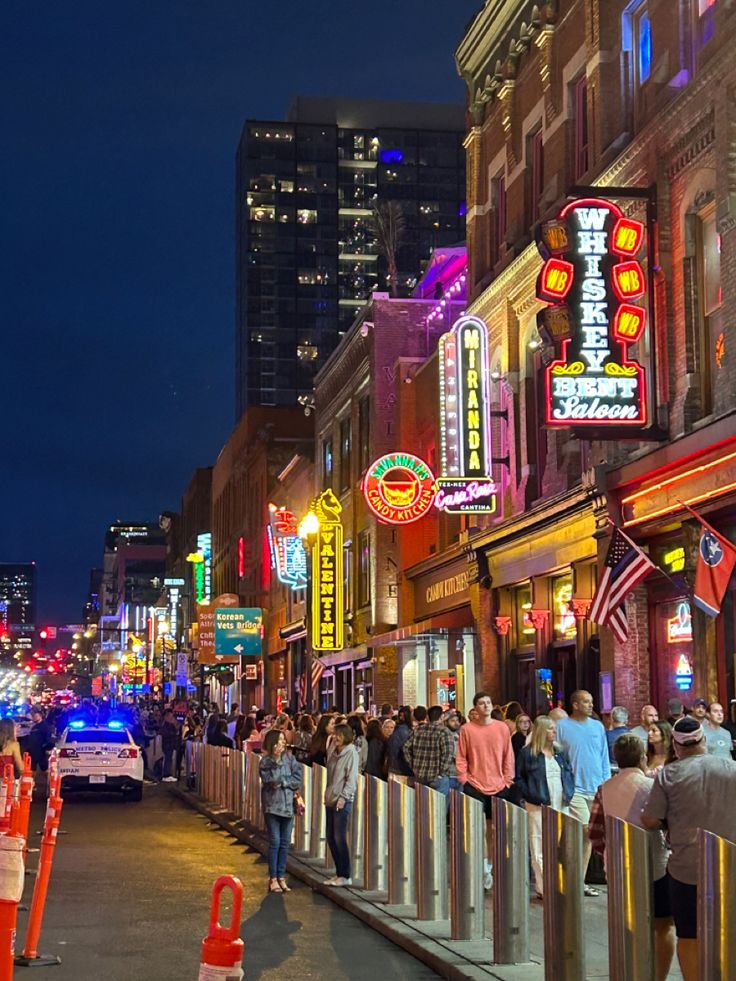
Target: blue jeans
168	766
337	837
279	839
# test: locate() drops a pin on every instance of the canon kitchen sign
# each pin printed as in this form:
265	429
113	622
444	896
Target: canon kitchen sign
596	283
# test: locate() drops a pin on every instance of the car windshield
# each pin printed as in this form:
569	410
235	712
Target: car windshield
97	736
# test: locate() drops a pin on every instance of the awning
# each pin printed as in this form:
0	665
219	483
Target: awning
462	617
293	631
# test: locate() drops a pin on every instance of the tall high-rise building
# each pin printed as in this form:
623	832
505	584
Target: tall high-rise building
17	605
307	251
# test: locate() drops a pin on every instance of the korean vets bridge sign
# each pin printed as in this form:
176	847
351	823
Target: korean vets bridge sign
239	632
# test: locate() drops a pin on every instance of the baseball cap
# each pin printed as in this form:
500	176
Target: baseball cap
700	701
687	731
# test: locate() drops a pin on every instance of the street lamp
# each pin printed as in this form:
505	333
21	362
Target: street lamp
308	531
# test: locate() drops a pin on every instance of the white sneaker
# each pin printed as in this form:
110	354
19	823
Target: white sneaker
169	780
487	878
340	882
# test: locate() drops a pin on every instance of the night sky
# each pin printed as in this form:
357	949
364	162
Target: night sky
119	124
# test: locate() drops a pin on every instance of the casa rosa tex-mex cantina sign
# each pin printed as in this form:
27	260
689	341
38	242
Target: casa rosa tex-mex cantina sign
400	488
598	317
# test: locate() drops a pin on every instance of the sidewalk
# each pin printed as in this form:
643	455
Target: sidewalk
429	941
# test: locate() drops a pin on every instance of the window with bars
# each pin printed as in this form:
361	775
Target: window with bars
345	461
364	568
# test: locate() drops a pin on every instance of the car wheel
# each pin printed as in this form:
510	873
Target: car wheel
135	793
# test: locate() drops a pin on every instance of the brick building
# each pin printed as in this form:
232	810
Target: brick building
244	481
620	95
376	396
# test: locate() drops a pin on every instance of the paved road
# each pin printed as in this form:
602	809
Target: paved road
129	900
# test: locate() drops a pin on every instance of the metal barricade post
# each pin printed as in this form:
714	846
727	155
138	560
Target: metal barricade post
630	901
562	855
240	785
716	906
401	851
303	822
431	852
318	822
357	834
467	848
510	883
375	865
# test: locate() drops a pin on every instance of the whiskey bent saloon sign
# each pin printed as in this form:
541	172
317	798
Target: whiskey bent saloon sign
595	283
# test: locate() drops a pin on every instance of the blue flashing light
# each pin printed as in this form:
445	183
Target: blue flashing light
77	724
115	724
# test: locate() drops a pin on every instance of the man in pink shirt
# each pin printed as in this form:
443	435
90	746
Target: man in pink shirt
485	764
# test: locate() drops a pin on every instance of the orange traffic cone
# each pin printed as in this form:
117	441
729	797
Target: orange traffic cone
30	956
11	889
222	948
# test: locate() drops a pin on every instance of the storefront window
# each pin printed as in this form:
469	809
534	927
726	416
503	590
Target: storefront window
564	625
524	630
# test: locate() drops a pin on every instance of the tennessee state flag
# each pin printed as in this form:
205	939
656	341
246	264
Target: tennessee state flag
716	559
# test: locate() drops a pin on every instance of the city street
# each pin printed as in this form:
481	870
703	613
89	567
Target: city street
130	894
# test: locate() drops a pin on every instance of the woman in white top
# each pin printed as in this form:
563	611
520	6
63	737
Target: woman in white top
543	776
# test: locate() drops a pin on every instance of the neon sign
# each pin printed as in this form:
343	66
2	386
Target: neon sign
684	673
466	484
680	626
675	559
288	558
203	569
399	488
328	600
596	290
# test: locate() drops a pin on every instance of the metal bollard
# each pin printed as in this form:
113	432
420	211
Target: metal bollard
240	785
253	791
357	834
302	822
401	852
510	883
467	849
716	907
318	821
431	860
562	855
375	871
630	901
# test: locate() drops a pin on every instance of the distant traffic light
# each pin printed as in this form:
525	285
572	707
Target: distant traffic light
43	634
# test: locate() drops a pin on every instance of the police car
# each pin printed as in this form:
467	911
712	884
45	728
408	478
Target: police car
100	757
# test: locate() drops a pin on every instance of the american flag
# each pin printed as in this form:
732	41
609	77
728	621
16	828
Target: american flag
625	567
318	669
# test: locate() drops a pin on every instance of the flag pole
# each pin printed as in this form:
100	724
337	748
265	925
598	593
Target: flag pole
721	538
634	545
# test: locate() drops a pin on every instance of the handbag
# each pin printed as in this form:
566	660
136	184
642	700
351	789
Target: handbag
299	805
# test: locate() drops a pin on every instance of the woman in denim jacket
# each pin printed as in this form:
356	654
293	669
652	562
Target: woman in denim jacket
543	776
281	778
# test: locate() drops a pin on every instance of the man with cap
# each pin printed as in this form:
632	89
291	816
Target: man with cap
675	710
689	794
699	709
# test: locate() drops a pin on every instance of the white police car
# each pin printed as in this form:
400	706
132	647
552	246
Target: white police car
100	757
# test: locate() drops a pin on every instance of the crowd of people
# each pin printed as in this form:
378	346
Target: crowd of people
669	776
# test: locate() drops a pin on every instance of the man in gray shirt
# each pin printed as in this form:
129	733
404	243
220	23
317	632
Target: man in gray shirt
718	739
690	794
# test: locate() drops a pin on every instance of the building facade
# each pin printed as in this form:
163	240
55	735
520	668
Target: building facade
307	255
377	399
17	606
634	100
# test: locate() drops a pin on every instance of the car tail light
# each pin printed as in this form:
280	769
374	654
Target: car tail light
128	754
67	754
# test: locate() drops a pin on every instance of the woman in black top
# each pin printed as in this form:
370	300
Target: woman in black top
221	737
375	765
